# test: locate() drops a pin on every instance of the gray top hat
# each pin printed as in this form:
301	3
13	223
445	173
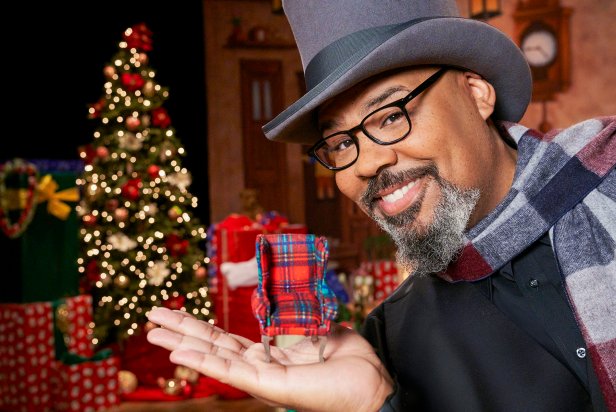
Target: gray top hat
342	42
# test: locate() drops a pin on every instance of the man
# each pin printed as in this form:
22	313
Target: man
510	235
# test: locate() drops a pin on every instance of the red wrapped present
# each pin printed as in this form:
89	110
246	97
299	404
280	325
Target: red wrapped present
235	238
30	343
137	356
78	336
87	384
386	278
234	241
27	356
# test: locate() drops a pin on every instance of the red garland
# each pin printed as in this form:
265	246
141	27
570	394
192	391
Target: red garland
14	229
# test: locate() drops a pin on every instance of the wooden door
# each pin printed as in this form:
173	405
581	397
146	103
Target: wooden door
264	161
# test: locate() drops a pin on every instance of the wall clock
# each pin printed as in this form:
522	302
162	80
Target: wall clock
542	32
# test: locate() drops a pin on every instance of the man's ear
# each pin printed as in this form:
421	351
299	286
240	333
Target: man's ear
482	92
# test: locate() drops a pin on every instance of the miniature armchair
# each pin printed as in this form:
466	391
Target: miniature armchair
292	297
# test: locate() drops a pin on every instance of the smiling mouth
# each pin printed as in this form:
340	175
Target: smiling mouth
400	199
391	194
399	193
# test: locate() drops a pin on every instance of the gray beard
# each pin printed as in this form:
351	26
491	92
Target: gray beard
431	249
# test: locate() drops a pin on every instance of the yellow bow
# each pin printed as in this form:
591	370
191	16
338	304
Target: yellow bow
55	200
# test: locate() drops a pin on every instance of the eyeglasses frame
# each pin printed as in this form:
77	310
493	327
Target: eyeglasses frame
400	103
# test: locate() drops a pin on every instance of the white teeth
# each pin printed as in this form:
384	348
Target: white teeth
399	193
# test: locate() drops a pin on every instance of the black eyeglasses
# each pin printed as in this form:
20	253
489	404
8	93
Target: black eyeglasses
386	125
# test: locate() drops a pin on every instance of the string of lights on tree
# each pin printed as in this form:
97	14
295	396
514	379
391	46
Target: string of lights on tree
141	243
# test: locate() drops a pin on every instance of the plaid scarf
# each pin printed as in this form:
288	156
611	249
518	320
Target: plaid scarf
564	183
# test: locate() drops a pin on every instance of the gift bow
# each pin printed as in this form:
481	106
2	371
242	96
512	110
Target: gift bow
55	200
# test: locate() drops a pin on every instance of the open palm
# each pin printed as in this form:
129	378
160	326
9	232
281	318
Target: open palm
352	377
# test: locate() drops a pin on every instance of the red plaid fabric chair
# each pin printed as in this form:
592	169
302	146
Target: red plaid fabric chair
292	297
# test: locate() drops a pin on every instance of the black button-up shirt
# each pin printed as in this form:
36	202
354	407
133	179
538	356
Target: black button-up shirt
530	291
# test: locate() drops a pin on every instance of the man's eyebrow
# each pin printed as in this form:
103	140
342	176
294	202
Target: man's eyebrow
375	101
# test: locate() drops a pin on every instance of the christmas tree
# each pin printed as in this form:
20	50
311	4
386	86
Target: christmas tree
141	244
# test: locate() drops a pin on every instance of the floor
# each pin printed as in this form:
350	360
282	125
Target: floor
211	404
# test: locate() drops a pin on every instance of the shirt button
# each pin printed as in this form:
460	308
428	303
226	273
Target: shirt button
581	353
533	283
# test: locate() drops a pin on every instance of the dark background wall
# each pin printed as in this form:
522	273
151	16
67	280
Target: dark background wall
53	64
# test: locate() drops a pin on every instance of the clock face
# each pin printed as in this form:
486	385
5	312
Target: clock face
539	47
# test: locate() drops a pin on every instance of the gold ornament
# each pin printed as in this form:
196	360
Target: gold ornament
143	58
128	381
187	374
62	318
149	326
63	322
148	89
121	281
109	71
172	386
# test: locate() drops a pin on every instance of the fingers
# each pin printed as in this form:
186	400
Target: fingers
185	324
235	372
175	341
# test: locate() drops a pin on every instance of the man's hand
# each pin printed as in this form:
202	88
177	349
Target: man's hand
352	377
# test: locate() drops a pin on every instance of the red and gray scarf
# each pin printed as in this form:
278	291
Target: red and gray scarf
564	184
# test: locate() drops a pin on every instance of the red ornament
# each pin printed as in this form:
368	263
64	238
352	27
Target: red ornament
200	273
102	152
132	81
160	117
132	123
93	272
176	246
96	109
89	220
112	204
87	153
175	302
138	37
153	171
130	189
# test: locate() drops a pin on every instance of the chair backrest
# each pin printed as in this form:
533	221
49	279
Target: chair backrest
291	263
292	296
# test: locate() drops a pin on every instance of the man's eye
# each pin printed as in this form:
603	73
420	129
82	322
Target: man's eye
392	118
339	145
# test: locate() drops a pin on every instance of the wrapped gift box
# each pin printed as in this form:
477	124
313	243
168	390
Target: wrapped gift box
87	386
42	262
78	336
27	357
30	346
234	240
386	278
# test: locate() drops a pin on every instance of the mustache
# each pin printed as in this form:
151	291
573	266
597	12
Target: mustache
387	179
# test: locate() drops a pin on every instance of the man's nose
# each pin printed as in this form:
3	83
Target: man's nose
373	157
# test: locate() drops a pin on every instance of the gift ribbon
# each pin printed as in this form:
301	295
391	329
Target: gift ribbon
55	200
71	358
